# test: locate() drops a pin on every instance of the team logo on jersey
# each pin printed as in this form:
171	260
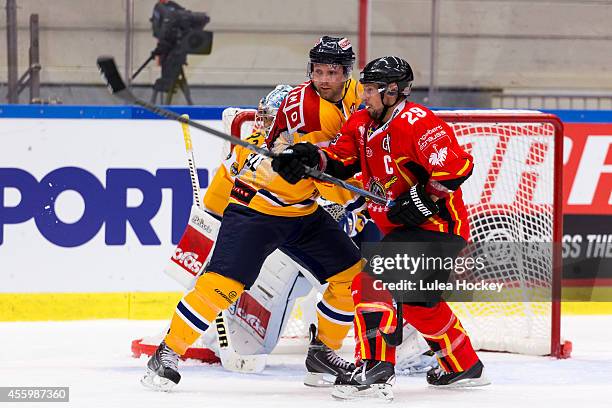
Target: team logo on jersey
294	109
370	132
335	139
369	152
438	157
377	188
234	169
361	130
386	143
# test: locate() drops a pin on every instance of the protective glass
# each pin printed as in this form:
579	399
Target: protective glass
328	72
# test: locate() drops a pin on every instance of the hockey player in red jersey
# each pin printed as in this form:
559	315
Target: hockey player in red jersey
410	156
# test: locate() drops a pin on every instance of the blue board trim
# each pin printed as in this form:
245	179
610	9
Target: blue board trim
103	112
208	112
583	116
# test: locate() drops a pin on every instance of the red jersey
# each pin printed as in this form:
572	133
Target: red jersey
414	146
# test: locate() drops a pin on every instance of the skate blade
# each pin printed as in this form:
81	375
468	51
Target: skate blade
319	380
467	383
156	383
382	392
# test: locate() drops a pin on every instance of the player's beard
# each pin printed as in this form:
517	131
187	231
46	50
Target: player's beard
330	91
375	113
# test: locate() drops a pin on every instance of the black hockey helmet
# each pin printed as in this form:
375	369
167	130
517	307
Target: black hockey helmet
333	51
387	70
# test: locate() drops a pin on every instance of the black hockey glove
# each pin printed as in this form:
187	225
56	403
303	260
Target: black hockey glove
413	207
291	163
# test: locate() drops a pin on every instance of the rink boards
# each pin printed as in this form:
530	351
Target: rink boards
93	200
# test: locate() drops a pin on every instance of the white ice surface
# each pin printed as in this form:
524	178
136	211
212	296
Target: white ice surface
93	358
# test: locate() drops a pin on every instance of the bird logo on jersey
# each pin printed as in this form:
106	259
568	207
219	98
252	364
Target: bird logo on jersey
438	157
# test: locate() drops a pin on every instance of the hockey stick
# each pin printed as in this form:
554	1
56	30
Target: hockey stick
193	173
230	359
115	83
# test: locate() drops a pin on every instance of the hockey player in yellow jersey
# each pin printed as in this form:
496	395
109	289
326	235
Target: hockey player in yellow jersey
266	213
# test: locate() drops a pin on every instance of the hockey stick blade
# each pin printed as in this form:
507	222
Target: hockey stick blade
230	359
110	73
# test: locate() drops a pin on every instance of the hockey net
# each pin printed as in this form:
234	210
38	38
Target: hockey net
513	195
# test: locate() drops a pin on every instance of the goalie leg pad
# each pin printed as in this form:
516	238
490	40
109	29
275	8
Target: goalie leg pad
444	334
199	307
257	320
414	355
335	312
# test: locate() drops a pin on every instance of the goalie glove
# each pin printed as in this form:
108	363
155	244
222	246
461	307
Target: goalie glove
413	207
290	164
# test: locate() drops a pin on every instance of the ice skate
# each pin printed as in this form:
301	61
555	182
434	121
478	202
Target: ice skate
373	379
323	364
162	369
472	377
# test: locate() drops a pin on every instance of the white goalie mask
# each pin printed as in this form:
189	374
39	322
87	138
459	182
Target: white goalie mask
268	106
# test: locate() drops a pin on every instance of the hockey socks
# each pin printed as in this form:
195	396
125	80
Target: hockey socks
199	307
335	312
374	313
444	334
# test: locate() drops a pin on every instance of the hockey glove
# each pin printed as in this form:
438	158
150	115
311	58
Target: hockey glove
413	207
291	163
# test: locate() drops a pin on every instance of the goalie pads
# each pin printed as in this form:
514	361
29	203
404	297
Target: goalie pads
414	356
260	316
256	321
194	248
